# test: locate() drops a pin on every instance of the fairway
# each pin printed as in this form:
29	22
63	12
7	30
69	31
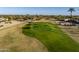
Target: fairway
52	37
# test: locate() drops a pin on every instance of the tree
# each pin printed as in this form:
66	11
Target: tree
71	10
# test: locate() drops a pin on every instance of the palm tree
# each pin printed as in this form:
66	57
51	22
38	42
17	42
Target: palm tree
71	10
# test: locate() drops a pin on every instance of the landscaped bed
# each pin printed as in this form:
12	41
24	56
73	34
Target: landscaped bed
51	36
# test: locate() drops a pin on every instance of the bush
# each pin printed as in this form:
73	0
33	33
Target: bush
28	26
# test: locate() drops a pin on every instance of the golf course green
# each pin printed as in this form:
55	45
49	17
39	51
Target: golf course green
51	36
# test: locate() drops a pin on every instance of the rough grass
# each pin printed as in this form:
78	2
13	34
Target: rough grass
52	37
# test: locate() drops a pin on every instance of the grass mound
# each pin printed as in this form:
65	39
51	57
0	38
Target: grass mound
52	37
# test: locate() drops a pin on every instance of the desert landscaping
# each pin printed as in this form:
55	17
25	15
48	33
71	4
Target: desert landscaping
39	33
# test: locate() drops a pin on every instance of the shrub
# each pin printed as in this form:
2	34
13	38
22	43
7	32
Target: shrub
28	26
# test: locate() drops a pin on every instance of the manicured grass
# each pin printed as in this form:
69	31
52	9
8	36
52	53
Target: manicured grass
52	37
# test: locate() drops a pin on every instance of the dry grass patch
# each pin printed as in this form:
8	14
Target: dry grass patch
12	39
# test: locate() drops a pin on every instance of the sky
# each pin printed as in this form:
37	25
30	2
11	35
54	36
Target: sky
37	10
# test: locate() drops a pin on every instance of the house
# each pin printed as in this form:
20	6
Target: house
66	20
67	23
